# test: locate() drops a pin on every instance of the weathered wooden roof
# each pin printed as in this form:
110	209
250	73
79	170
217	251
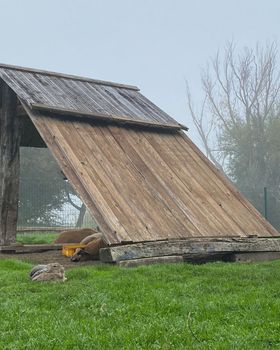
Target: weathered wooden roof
145	185
72	95
140	184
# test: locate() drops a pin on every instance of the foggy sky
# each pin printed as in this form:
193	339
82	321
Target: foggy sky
154	44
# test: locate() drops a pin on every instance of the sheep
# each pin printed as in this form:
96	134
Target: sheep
74	236
48	272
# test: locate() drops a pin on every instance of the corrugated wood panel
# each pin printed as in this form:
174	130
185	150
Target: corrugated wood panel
144	185
81	96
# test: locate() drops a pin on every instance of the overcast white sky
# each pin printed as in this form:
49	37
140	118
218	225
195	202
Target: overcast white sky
154	44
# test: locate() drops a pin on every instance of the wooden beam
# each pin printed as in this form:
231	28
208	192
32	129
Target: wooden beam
68	76
188	247
29	248
255	257
151	261
106	117
1	85
9	166
43	229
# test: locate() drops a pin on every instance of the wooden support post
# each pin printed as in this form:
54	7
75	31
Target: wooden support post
9	166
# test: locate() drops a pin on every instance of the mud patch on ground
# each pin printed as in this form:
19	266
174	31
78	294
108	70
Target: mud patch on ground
48	257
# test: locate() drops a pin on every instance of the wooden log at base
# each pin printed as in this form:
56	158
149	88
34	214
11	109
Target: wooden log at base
9	165
151	261
189	247
255	257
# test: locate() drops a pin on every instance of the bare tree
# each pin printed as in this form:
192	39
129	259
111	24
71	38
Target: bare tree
238	89
239	119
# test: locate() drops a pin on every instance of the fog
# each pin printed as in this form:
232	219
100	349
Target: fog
154	44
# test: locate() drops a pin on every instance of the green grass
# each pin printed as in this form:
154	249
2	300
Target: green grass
180	306
36	238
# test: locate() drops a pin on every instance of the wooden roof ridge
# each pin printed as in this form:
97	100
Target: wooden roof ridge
68	76
104	117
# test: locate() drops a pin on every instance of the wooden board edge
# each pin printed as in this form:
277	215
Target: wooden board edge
188	248
106	117
151	261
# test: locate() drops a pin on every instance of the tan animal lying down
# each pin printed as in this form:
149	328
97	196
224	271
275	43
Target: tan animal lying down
93	243
48	272
74	236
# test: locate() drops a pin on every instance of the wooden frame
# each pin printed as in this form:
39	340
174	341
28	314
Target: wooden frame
10	132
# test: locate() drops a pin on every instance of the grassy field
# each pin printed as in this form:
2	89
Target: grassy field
36	237
180	306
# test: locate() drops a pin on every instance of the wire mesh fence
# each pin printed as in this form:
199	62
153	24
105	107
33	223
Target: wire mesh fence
46	199
37	208
40	211
267	202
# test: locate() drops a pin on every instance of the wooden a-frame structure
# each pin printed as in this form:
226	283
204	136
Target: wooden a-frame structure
138	173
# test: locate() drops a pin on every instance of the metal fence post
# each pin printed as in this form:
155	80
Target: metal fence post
265	202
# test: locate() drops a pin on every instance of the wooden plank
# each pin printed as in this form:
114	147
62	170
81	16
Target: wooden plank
187	206
43	229
83	96
202	191
161	180
68	76
151	261
126	103
148	203
105	162
184	195
224	181
104	213
203	203
231	210
94	162
160	215
72	174
255	257
221	191
1	86
188	246
126	184
10	132
105	117
121	236
94	185
130	103
32	248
